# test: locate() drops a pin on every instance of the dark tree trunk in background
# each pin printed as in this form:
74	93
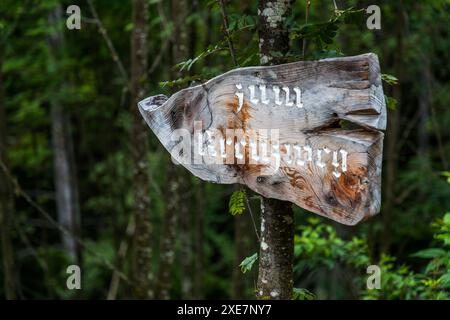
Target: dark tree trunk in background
67	199
186	242
6	204
170	216
244	243
180	51
177	210
424	105
199	236
275	278
168	237
391	151
142	241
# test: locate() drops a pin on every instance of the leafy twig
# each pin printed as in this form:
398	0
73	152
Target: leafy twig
227	33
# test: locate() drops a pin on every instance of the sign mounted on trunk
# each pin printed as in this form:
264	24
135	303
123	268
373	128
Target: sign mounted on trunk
307	132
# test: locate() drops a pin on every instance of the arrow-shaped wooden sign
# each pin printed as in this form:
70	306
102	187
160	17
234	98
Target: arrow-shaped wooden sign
279	130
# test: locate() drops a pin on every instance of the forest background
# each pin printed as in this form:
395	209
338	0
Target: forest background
84	181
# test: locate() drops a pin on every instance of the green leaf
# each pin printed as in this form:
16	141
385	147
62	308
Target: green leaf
180	81
237	203
445	279
212	49
391	103
447	218
355	17
447	175
389	79
430	253
247	263
302	294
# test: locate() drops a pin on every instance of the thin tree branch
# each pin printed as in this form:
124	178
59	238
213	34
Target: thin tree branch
158	58
308	5
167	26
121	254
108	41
247	202
227	33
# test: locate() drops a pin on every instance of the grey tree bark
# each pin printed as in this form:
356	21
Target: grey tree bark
6	204
142	240
276	255
67	199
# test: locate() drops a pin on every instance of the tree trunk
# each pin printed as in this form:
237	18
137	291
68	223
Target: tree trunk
67	202
168	237
276	255
180	52
199	236
424	106
391	153
186	232
142	249
175	176
6	204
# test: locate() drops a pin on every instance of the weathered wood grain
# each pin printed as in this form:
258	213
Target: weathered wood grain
332	90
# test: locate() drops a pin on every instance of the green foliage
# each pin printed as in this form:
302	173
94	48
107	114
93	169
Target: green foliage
324	33
302	294
317	245
184	80
237	203
331	260
400	282
389	79
247	263
447	175
430	253
239	22
391	103
210	50
443	229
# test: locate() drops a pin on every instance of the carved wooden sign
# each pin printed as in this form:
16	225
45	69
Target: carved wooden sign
278	130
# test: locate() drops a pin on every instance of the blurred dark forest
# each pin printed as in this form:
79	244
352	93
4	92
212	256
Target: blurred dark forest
84	181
